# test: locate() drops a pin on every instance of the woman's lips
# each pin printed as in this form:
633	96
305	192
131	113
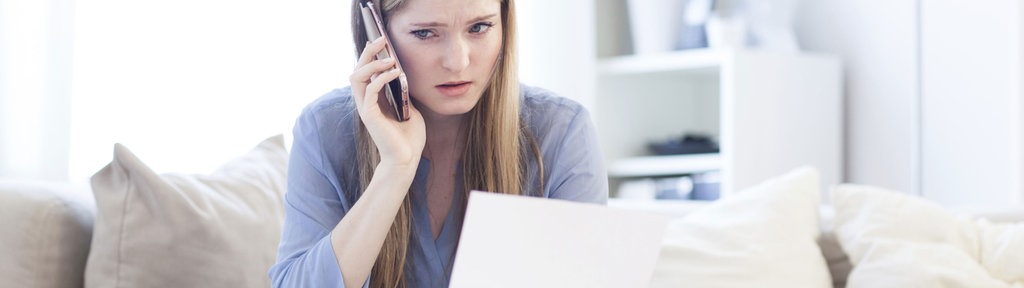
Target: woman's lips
454	88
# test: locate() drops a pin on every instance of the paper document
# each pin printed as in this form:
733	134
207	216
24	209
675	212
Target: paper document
516	241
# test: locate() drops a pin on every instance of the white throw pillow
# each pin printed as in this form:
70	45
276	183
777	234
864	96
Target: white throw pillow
177	230
764	236
897	240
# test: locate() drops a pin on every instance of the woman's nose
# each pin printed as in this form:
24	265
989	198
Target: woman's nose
457	57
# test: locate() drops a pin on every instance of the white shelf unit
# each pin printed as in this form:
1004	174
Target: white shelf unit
770	112
689	60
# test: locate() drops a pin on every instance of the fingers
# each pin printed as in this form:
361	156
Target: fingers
373	89
371	50
366	58
377	71
365	73
367	68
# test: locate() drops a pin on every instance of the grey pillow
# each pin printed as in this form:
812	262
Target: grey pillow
176	230
46	232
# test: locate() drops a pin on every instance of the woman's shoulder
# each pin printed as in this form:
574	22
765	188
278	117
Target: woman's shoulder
328	121
539	101
335	104
542	108
324	136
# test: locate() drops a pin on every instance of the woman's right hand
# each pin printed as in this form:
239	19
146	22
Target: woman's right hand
400	143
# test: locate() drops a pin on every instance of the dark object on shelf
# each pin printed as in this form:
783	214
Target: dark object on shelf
689	144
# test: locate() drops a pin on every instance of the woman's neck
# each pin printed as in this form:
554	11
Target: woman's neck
445	136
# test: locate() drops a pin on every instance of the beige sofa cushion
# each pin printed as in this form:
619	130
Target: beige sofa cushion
46	233
176	230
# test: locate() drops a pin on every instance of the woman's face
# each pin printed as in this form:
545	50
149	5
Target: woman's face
448	49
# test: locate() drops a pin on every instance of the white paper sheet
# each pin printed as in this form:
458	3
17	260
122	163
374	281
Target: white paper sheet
514	241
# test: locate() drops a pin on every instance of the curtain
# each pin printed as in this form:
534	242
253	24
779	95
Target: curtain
35	83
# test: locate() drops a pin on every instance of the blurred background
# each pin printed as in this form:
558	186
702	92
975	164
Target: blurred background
919	96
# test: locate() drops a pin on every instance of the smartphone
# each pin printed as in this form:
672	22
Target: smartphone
397	91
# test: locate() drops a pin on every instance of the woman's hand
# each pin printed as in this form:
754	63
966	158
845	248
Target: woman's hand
400	143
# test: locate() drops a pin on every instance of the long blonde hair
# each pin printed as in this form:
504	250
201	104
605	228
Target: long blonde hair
494	139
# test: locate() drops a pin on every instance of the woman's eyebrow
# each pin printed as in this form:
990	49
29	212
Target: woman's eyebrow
481	18
439	24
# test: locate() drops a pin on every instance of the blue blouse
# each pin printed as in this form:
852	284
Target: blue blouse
322	168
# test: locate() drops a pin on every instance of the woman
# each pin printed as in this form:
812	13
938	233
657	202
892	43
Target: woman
376	202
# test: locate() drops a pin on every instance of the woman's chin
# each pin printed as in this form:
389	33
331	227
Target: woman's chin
450	111
448	108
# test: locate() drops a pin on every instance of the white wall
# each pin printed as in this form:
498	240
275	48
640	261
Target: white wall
934	94
556	50
877	40
971	104
189	84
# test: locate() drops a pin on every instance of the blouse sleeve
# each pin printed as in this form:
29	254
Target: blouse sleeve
313	208
578	171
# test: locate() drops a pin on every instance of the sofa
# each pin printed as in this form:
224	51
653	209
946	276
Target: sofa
135	227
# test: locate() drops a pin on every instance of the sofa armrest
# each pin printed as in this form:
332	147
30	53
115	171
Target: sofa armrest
46	235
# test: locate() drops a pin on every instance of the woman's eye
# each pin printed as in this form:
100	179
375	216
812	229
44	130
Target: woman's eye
480	27
422	34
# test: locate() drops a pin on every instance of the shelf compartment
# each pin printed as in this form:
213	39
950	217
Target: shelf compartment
652	166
